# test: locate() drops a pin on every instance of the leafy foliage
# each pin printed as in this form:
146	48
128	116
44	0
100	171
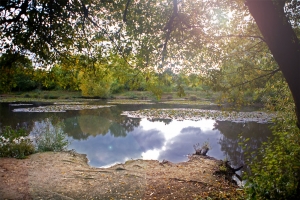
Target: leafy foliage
15	143
98	77
45	28
16	73
275	171
50	138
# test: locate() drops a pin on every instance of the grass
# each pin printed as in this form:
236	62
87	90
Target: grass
64	95
55	94
41	96
141	95
146	95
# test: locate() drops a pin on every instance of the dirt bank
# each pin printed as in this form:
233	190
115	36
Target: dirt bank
66	175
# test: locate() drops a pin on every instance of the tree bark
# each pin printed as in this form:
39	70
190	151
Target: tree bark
281	40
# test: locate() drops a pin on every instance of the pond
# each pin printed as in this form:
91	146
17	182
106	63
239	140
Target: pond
108	136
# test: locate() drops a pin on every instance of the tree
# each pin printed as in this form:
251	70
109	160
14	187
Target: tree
276	20
47	29
16	72
96	82
281	39
200	35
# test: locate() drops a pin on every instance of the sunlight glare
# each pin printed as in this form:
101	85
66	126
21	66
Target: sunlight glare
151	154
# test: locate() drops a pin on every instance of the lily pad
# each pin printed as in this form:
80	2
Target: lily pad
20	104
60	108
126	101
188	102
22	99
198	114
69	103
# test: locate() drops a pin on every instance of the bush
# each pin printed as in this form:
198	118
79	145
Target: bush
169	97
15	143
132	95
51	138
53	97
275	173
27	96
193	98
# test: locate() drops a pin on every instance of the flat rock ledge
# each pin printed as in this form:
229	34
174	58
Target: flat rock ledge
66	175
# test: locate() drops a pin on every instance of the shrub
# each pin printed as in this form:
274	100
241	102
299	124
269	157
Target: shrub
169	97
50	138
275	172
193	98
53	97
27	96
15	143
131	95
37	91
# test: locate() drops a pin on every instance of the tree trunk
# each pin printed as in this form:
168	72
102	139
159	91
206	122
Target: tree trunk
281	40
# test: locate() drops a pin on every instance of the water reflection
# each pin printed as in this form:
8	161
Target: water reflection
235	133
172	141
107	150
107	137
85	125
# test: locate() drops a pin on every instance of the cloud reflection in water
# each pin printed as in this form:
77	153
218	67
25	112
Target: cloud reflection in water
151	140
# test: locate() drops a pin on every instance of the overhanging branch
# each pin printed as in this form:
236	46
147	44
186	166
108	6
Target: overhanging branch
242	36
125	11
111	39
169	28
259	77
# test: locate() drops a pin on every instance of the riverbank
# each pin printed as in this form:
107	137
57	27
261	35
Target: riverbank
67	175
63	95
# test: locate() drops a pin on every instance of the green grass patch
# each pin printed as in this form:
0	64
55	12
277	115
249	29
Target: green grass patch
142	95
42	96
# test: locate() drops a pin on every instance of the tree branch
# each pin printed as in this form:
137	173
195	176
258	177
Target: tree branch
243	36
111	39
169	29
23	8
262	76
125	11
282	41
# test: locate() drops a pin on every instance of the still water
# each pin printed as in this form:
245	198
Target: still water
107	137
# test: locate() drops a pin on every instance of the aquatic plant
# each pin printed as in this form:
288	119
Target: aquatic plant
130	101
188	102
60	108
198	114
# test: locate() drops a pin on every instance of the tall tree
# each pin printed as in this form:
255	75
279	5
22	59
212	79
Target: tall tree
281	39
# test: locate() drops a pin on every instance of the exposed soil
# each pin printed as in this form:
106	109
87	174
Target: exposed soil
66	175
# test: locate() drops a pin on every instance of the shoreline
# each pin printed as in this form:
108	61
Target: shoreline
67	175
